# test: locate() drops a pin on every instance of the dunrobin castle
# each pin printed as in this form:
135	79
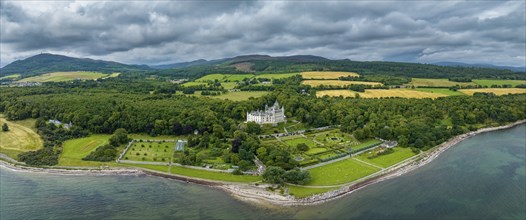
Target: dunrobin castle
271	115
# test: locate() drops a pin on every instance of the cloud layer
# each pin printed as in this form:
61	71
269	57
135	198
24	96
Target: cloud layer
161	32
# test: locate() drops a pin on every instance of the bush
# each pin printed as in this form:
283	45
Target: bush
302	147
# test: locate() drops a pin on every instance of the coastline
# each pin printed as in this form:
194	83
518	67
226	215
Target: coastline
258	194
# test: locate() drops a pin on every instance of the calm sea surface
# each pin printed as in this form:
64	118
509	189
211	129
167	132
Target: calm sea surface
483	177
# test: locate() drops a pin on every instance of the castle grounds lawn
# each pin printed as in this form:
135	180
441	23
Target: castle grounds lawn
76	149
150	151
302	192
366	143
21	137
211	175
387	160
301	140
340	172
316	150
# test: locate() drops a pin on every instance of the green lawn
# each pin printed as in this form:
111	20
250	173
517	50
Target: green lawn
229	85
489	82
440	91
76	149
151	167
302	192
276	75
334	137
340	172
21	137
221	176
294	142
150	151
316	150
387	160
238	77
193	84
366	143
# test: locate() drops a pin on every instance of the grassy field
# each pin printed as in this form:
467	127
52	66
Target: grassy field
229	85
221	176
193	83
64	76
240	96
21	137
12	76
327	75
489	82
316	150
380	93
276	76
150	151
315	83
387	160
76	149
302	192
440	91
340	172
436	82
224	77
496	91
294	142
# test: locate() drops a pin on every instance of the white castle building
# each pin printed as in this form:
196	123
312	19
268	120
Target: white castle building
271	115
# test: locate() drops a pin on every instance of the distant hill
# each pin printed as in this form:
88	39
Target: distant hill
243	59
512	68
45	63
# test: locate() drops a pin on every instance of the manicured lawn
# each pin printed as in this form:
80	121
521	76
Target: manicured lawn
294	142
387	160
76	149
21	137
64	76
276	75
440	91
327	75
335	137
489	82
221	176
340	172
150	151
316	150
302	192
161	168
496	91
366	143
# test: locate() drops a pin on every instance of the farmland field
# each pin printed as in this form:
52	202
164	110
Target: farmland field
440	91
194	83
315	83
327	75
387	160
490	82
64	76
380	93
240	96
21	137
76	149
12	76
276	76
437	83
224	77
496	91
340	172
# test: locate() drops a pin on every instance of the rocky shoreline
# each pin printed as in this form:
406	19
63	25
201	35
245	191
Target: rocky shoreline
258	193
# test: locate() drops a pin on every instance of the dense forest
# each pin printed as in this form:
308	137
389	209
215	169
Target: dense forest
128	103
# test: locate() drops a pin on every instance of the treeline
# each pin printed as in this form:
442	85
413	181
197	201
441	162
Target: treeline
108	152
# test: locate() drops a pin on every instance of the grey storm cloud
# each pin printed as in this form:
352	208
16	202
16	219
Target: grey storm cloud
158	32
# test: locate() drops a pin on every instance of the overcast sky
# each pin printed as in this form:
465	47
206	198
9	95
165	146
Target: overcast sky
160	32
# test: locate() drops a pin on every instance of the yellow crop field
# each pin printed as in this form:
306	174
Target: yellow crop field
327	75
315	83
437	82
496	91
65	76
19	138
380	93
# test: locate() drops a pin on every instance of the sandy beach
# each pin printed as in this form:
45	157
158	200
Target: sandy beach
257	193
